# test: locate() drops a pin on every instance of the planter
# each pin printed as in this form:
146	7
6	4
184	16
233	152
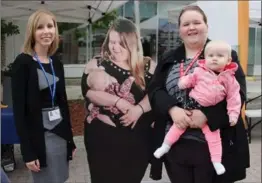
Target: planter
77	115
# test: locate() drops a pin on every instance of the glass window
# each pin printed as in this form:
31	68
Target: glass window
147	10
168	35
148	27
258	47
80	45
129	10
120	11
251	46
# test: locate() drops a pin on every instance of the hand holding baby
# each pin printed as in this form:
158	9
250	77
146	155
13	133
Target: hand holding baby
182	83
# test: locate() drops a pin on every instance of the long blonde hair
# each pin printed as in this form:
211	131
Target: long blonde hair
130	40
29	43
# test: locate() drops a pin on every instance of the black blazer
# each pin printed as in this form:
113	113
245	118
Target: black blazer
28	112
234	139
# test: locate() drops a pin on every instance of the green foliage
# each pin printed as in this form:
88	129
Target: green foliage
79	33
64	26
102	23
8	29
105	21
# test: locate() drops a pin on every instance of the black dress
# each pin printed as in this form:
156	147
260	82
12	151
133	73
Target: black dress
29	98
118	154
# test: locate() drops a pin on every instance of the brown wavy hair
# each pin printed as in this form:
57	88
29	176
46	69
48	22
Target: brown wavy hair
130	40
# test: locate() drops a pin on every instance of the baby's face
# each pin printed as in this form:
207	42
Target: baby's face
217	57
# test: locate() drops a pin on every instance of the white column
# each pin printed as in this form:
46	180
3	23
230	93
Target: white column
222	20
87	45
137	15
90	39
157	30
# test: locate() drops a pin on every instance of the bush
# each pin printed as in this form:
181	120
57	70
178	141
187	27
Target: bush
6	71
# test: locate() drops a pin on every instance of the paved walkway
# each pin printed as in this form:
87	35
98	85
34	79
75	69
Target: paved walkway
79	171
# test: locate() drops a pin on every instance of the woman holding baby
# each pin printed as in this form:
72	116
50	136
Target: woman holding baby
188	159
118	122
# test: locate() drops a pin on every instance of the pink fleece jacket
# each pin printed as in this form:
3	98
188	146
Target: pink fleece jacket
208	88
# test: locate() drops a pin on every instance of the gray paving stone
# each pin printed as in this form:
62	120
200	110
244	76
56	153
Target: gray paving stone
79	171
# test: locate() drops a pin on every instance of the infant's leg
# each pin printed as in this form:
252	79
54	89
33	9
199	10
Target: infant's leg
171	137
215	147
106	119
94	111
90	106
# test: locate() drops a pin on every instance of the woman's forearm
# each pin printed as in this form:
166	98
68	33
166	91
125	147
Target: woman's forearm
145	104
101	98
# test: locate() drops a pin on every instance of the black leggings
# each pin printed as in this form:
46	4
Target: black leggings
188	161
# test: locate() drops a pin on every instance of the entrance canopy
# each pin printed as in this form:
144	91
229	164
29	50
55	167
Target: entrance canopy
65	11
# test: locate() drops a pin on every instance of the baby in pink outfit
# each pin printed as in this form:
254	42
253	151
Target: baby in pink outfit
99	80
211	82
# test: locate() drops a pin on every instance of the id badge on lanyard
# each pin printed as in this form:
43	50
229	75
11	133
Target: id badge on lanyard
54	113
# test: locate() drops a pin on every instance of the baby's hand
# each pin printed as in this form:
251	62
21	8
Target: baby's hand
101	67
113	80
181	83
233	123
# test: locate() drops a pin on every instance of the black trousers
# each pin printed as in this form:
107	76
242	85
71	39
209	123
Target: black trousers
188	161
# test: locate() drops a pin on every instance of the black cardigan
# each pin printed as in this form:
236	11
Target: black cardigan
28	113
234	139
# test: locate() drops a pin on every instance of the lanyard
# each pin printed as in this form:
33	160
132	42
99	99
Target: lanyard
182	72
52	91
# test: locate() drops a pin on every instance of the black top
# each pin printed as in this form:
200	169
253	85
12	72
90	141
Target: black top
28	101
183	99
46	100
234	139
118	154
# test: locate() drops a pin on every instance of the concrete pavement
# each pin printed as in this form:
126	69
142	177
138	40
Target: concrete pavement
79	170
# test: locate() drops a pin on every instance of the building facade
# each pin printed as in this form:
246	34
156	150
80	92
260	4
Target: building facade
158	27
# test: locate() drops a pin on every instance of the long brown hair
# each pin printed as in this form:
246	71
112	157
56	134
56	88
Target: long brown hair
130	40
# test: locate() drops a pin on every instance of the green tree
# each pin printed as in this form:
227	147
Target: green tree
64	26
102	23
7	29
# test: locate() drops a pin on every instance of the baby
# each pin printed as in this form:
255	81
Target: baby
99	80
211	82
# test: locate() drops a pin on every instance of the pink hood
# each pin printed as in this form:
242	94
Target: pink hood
231	68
